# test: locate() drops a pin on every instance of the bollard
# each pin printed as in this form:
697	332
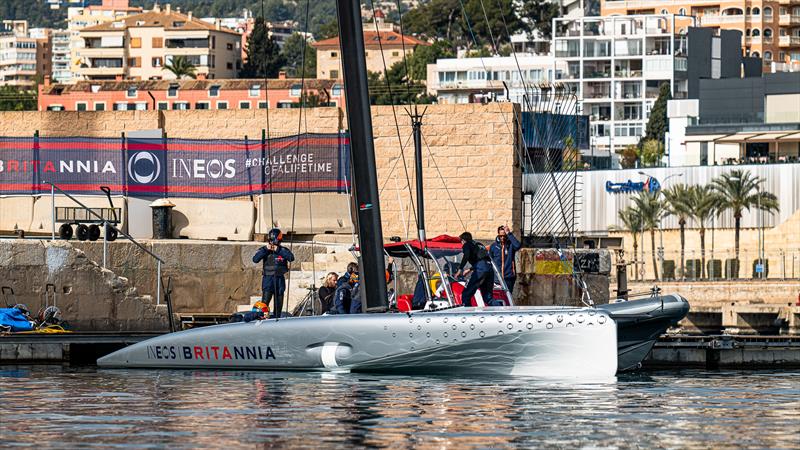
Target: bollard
162	218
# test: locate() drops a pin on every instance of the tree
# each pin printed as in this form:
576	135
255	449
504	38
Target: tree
739	190
652	210
632	222
678	204
328	30
540	15
293	49
17	99
630	155
651	153
264	58
399	89
427	54
703	202
658	125
181	67
438	18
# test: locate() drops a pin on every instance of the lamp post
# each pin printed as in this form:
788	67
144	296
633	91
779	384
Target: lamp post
660	231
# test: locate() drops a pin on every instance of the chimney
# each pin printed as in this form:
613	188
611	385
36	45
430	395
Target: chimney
190	15
282	75
218	24
47	80
156	7
169	8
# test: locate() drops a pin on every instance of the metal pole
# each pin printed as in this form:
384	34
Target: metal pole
158	282
416	124
365	177
105	245
53	209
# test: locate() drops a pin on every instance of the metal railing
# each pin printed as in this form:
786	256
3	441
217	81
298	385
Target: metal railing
106	226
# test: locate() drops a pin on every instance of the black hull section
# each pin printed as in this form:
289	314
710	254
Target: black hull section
641	322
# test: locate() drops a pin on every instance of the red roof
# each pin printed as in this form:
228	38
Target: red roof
373	39
451	245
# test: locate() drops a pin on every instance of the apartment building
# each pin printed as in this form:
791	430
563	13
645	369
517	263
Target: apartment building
616	66
199	94
476	80
385	44
84	16
61	63
770	29
18	54
138	46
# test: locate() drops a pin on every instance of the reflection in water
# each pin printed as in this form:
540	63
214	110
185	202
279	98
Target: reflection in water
67	407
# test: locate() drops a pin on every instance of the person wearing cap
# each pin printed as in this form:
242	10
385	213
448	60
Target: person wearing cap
503	251
275	261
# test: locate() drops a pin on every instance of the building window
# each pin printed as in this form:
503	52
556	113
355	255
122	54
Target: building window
156	62
55	108
767	13
163	106
180	106
135	62
99	106
158	42
202	105
756	12
682	11
131	92
767	32
229	66
334	74
254	91
295	90
334	54
172	91
755	33
120	106
80	106
244	105
213	91
395	54
336	90
141	106
229	46
767	56
213	42
263	105
664	11
222	105
136	42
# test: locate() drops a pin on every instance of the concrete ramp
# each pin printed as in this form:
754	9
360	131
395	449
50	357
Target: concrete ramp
90	298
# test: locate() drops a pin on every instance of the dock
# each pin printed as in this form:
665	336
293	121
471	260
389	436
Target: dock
679	351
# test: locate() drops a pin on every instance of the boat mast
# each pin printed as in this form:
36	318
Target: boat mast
416	125
362	152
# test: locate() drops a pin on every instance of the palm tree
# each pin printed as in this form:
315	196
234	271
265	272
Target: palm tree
739	190
703	201
181	67
652	210
632	221
678	205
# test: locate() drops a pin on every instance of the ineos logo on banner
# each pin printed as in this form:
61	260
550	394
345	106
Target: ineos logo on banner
144	167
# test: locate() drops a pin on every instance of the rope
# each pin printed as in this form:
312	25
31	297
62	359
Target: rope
269	150
463	226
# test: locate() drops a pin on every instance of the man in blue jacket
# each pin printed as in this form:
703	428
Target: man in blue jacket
503	252
275	259
347	298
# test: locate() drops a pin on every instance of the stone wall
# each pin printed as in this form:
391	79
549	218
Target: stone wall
90	298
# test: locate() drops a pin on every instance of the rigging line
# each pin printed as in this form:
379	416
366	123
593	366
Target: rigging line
297	144
441	177
400	204
391	171
403	43
489	28
269	149
394	112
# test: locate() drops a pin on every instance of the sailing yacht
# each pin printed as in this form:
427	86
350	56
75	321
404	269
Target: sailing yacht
512	340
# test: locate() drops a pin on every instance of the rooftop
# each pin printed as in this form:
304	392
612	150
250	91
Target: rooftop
162	85
167	19
374	39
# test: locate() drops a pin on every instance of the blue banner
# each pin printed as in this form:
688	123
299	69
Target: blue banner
201	168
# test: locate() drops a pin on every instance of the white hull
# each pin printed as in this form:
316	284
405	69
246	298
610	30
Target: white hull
529	341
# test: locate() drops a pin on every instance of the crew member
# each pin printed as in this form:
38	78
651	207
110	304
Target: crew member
275	259
482	278
346	299
326	292
503	252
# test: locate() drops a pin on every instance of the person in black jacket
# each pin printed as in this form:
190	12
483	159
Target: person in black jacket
275	261
346	299
327	290
482	277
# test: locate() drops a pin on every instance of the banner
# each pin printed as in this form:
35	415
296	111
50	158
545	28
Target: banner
201	168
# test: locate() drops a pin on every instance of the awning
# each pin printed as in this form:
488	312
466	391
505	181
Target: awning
703	137
768	137
738	137
791	137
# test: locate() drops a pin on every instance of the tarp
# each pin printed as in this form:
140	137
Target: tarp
202	168
14	318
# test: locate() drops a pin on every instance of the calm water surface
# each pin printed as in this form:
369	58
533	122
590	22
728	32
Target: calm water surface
60	407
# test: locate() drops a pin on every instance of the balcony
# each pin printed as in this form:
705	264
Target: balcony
102	52
720	20
789	41
788	2
100	71
789	19
458	85
752	40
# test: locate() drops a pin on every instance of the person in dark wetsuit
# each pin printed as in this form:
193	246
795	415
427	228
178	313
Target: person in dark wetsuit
482	277
275	261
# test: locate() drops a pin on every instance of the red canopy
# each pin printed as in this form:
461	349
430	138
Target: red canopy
440	245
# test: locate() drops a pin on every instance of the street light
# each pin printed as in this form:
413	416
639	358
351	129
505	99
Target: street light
660	231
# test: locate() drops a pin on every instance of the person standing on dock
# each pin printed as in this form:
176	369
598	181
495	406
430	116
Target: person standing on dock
503	252
482	277
275	259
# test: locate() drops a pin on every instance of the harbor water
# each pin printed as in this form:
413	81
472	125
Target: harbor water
62	407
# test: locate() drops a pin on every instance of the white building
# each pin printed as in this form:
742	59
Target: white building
471	80
62	67
616	66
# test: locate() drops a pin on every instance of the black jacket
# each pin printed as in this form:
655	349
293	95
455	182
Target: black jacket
326	297
473	254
